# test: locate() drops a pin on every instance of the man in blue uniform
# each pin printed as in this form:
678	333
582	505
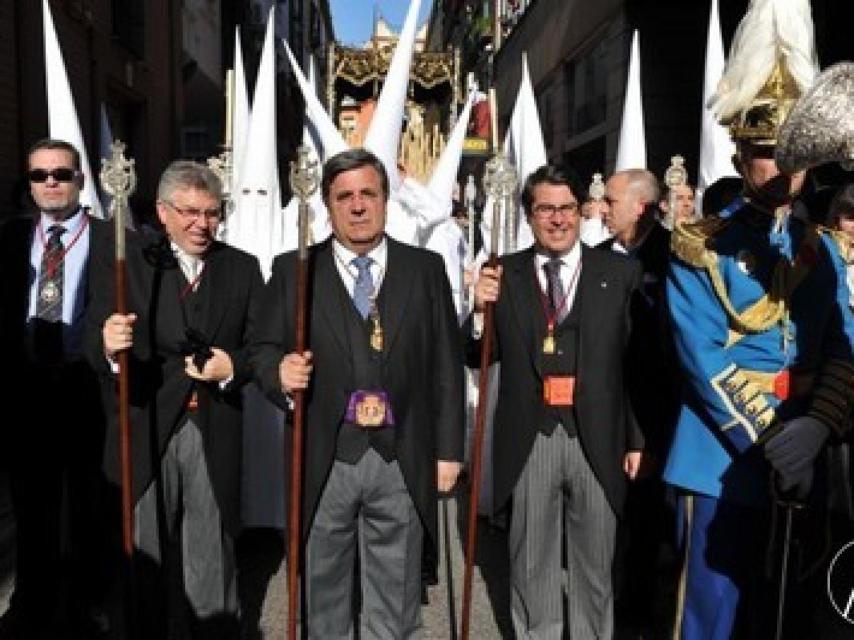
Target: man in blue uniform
762	326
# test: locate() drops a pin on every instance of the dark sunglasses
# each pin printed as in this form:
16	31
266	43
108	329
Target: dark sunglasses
62	174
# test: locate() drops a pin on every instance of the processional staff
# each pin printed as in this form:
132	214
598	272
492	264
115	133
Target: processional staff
470	195
304	182
118	180
499	181
675	176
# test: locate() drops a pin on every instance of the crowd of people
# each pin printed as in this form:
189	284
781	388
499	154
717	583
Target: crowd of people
673	386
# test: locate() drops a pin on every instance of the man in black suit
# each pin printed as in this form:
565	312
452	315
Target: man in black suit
565	437
653	380
384	383
55	447
192	302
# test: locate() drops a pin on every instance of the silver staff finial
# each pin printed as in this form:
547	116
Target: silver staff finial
676	174
304	180
597	188
118	177
304	177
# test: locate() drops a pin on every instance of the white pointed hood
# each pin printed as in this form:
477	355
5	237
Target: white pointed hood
716	147
631	151
240	123
318	134
256	224
331	140
446	238
444	175
62	114
383	137
526	149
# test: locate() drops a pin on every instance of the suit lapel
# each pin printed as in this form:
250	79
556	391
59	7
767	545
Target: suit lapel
394	295
591	284
522	291
217	280
327	295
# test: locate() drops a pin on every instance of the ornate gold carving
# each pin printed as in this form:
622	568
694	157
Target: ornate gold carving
360	66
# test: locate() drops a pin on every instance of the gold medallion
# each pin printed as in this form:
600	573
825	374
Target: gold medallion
549	344
377	336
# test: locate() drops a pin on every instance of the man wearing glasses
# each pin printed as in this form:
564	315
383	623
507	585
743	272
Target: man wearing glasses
191	301
565	437
55	451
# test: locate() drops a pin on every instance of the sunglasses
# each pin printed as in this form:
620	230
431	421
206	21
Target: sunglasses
62	174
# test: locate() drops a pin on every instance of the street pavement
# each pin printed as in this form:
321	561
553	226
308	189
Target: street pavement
490	591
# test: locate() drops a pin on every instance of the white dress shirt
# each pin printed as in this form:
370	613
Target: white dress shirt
348	271
570	272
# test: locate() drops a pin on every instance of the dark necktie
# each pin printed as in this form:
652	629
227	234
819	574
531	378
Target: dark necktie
363	289
557	296
47	335
49	305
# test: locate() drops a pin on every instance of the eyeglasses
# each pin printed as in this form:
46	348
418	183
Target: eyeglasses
61	174
544	210
191	213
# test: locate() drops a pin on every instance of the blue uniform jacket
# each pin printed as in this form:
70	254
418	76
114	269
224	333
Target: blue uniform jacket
751	295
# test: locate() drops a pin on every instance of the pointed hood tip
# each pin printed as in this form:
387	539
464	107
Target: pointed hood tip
381	139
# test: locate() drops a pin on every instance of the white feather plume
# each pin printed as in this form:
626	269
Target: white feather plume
770	29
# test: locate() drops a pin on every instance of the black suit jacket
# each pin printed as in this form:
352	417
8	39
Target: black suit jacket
25	384
422	365
159	387
606	425
653	374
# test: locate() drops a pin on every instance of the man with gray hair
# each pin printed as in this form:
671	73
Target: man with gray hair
191	301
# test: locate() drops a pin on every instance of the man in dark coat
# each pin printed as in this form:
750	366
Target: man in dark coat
191	301
653	380
565	437
56	447
384	383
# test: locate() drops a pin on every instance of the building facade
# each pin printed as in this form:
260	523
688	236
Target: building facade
156	66
578	55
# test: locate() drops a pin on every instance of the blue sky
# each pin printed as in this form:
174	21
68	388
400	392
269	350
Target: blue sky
353	19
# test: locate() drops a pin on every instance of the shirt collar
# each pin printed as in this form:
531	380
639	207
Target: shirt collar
183	256
619	248
70	223
345	255
570	259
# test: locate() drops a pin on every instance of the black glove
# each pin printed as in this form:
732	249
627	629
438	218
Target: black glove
793	450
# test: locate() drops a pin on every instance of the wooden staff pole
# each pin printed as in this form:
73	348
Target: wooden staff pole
500	183
304	180
118	180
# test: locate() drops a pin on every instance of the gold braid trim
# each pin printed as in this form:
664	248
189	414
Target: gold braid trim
770	308
842	240
688	241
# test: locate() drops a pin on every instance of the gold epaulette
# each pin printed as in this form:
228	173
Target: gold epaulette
841	239
689	241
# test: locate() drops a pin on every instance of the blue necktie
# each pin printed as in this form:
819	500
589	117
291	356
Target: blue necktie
364	287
